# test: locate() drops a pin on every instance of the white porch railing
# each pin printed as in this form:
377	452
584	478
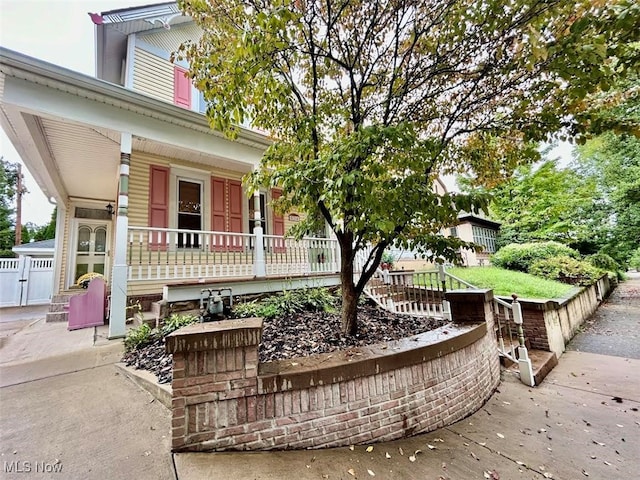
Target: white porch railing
175	254
285	255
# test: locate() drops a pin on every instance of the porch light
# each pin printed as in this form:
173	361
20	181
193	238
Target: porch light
109	208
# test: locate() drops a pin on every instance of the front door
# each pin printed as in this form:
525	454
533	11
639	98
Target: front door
91	247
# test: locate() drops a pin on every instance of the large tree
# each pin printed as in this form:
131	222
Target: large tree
613	161
369	101
8	183
544	202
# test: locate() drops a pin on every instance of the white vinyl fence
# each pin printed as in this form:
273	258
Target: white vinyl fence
25	281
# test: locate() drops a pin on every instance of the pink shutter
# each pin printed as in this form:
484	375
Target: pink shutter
278	224
181	88
218	211
235	211
158	204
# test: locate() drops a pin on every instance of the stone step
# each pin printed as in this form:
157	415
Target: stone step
542	363
63	297
57	307
56	317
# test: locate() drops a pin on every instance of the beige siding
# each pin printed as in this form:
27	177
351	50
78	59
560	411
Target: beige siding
139	182
153	76
145	288
170	40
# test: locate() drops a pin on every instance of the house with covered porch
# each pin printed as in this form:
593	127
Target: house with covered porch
147	194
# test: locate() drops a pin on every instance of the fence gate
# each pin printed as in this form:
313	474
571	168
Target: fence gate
25	281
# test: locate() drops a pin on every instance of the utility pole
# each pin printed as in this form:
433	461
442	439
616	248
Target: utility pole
19	193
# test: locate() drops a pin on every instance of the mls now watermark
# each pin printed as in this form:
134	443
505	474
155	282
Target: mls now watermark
25	466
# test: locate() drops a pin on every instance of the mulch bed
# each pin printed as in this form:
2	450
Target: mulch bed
301	335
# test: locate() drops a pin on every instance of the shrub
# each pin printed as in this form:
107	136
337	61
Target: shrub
567	270
139	336
287	303
522	256
175	322
634	261
603	262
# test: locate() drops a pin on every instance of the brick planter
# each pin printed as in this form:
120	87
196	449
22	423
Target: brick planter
224	400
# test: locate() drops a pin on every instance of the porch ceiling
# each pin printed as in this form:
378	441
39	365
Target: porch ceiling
86	159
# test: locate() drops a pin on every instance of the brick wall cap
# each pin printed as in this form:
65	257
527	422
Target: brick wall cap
342	365
470	295
213	335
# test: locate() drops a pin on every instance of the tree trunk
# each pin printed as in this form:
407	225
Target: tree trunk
349	323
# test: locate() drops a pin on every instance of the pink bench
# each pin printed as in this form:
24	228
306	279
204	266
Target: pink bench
87	310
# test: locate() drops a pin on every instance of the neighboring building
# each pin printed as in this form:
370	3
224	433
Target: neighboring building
147	193
477	229
42	248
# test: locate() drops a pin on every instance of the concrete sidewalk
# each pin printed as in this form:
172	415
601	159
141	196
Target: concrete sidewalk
63	403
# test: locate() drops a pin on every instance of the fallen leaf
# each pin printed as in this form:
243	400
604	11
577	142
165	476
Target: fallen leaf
474	456
400	450
522	464
412	458
500	435
431	447
482	444
598	443
351	447
507	403
620	426
387	455
606	463
370	472
593	457
351	472
585	473
370	449
547	475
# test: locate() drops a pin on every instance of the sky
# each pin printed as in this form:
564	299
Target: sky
61	32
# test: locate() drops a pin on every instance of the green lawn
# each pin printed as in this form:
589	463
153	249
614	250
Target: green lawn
505	282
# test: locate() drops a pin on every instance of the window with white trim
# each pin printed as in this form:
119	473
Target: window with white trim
189	211
486	237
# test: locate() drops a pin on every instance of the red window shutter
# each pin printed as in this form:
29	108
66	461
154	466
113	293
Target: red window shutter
158	204
278	224
181	88
218	210
235	210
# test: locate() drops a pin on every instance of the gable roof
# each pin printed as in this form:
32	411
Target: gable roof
114	27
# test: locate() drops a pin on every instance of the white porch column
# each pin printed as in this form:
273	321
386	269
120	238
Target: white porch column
260	268
117	312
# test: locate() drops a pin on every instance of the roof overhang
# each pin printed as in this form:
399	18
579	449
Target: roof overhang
485	222
55	117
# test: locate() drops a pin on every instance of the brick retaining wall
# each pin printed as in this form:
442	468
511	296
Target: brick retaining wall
549	325
223	399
